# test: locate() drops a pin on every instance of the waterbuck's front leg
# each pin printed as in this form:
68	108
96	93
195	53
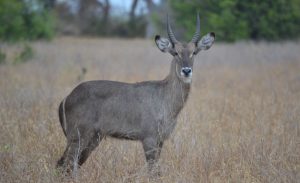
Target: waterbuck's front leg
152	148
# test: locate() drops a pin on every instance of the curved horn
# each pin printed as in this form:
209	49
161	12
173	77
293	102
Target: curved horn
196	36
170	32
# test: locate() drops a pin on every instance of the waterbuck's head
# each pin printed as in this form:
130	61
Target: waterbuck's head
184	53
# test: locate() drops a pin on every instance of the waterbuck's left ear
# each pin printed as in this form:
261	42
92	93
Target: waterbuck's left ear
206	41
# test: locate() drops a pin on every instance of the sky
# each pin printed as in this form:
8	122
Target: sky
127	3
120	7
121	3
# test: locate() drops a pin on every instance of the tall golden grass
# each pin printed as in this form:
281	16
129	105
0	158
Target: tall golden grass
241	122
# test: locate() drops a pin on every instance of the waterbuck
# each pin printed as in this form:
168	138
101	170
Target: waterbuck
144	111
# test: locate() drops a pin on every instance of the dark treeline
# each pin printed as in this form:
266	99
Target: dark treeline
231	19
239	19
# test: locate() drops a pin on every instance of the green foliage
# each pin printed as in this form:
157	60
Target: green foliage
2	57
26	54
25	20
233	20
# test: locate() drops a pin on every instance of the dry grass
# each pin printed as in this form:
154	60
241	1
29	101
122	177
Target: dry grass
241	123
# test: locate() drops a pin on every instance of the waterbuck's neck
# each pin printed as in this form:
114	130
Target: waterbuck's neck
176	91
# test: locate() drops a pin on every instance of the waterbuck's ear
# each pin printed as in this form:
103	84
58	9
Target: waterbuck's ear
206	41
163	44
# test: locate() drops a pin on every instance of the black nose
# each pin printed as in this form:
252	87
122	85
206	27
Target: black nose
186	71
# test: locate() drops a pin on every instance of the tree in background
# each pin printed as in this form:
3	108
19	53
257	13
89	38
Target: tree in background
49	4
25	20
96	18
238	19
136	24
231	19
93	16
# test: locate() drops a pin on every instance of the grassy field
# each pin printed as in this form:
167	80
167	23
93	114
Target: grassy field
241	122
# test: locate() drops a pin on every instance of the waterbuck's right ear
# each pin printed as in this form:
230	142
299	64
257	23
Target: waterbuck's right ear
163	44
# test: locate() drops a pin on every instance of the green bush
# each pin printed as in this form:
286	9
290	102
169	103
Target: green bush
26	54
2	57
25	20
238	19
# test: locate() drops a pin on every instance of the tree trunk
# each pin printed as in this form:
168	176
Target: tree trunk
132	11
150	29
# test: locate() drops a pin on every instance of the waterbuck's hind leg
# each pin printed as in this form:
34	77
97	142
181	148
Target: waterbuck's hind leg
78	149
152	148
61	161
66	162
94	142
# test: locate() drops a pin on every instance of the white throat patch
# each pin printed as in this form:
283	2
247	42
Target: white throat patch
187	79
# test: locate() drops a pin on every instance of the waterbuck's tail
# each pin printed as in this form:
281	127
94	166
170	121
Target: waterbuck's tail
62	116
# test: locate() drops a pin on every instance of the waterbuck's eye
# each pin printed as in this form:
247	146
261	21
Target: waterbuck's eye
176	54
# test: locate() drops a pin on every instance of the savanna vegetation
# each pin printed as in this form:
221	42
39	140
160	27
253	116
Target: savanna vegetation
241	122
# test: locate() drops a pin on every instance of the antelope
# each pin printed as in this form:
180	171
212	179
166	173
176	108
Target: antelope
145	111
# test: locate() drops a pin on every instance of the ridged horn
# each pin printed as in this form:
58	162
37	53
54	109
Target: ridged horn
196	36
170	32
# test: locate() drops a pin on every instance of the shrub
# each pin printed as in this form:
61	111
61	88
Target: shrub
26	54
25	20
2	57
238	19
